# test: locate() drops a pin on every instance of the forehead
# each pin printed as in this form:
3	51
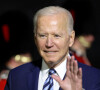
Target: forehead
56	20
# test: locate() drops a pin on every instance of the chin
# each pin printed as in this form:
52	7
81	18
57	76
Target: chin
51	64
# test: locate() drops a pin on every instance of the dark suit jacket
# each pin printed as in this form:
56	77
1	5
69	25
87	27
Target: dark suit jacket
25	77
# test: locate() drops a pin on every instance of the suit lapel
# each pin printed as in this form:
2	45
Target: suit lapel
33	75
33	79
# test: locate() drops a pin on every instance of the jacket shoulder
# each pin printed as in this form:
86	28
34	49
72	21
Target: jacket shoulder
87	68
27	67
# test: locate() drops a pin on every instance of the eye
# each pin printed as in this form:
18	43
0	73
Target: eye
57	36
41	35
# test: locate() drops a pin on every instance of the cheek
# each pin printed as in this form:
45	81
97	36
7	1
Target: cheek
63	44
40	44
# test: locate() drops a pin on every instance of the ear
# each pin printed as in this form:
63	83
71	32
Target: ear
72	37
35	39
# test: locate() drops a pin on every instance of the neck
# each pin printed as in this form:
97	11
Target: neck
55	64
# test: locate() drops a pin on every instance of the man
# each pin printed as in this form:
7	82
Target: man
54	34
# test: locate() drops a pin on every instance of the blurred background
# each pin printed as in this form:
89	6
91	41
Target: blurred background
16	28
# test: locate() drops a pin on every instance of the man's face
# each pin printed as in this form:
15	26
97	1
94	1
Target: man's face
52	39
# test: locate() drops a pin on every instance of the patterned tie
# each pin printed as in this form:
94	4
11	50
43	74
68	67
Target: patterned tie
48	85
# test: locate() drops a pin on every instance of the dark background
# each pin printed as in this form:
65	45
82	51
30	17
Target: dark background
19	14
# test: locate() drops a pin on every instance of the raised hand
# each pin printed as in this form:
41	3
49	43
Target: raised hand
73	79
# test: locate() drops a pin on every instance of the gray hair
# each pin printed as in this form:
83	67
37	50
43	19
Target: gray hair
51	10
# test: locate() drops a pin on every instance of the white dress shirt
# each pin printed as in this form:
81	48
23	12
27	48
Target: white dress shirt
61	70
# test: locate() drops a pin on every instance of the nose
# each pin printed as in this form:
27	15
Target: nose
49	42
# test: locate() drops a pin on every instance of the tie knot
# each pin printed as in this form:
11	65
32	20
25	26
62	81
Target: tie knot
52	71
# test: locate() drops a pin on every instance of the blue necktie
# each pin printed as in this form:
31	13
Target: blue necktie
48	85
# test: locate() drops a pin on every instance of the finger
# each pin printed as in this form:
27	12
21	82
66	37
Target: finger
68	63
75	67
57	78
71	64
80	73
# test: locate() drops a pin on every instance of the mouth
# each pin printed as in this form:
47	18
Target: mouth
50	52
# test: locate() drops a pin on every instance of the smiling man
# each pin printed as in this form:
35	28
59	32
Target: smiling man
57	70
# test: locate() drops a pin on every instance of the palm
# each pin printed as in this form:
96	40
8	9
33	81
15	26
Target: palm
73	79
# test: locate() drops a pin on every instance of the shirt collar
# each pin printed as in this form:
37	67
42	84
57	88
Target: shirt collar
45	68
61	69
